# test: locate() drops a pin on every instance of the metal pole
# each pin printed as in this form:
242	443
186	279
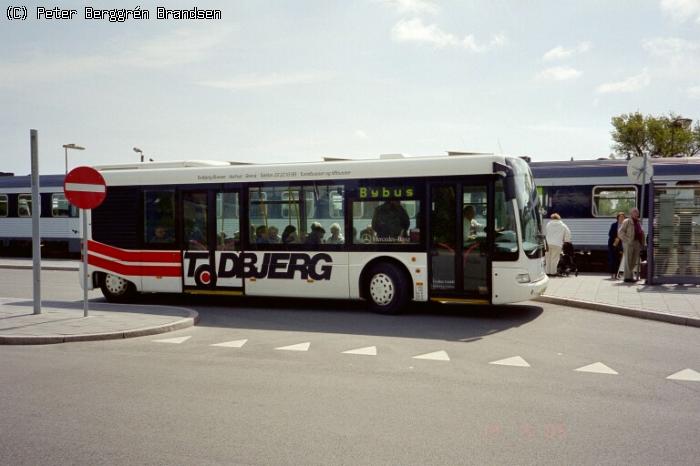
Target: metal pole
66	149
650	235
36	212
85	262
644	188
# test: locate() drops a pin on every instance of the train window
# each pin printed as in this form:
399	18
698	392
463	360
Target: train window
3	205
159	217
60	207
608	200
24	205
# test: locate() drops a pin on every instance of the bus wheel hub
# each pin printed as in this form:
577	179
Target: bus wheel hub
381	288
116	285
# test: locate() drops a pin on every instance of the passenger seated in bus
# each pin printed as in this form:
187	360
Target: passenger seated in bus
225	242
194	234
162	234
390	221
289	235
273	235
336	237
261	235
367	235
315	236
471	226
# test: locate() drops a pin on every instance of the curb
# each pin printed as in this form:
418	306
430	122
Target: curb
624	311
65	268
183	323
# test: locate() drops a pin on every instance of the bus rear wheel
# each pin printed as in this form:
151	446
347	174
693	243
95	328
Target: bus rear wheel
115	289
387	289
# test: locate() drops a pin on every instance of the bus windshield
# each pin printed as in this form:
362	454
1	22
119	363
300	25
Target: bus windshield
528	208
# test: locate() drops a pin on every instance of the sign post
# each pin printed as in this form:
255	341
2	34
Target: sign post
85	188
36	213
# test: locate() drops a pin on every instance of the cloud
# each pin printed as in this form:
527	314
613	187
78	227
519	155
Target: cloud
631	84
556	128
671	48
257	81
176	48
682	10
360	134
558	73
694	92
413	6
561	53
414	30
180	47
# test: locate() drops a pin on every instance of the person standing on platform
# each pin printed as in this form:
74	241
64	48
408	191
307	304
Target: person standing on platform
556	233
615	246
632	236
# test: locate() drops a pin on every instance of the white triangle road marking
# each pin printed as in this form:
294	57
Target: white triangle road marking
435	356
686	374
516	361
176	340
231	344
597	368
297	347
367	351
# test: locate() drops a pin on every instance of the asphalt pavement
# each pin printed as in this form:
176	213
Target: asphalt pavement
272	381
267	382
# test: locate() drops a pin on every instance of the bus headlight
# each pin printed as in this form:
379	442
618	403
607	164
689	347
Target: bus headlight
522	278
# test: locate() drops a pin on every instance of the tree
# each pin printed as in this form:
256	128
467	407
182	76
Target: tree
666	136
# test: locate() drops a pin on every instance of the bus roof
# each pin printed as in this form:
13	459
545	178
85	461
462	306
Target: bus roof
202	171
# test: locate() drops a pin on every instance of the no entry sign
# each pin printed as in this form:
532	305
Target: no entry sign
84	187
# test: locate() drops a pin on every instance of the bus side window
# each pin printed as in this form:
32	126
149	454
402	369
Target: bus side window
159	217
274	215
324	207
228	235
394	219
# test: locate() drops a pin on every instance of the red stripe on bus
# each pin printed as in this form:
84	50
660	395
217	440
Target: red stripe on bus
133	256
135	270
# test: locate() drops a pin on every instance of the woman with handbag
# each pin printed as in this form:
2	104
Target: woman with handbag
615	246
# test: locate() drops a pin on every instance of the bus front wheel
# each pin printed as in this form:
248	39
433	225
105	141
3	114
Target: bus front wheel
115	289
387	289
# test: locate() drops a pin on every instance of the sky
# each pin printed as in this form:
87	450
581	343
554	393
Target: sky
297	80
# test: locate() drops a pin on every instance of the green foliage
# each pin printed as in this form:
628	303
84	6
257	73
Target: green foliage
666	136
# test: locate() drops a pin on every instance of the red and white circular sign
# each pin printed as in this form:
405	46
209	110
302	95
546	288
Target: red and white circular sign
85	188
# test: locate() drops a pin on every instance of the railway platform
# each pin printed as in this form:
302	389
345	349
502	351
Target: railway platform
677	304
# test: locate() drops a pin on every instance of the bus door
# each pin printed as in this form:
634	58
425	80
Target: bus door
211	241
459	242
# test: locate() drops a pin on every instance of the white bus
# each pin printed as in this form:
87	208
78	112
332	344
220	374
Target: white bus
463	228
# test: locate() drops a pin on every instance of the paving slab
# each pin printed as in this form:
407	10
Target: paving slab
62	322
678	304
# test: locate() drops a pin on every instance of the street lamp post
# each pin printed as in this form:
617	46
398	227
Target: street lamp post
139	151
71	146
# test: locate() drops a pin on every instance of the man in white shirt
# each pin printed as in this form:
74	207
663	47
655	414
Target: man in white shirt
557	233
